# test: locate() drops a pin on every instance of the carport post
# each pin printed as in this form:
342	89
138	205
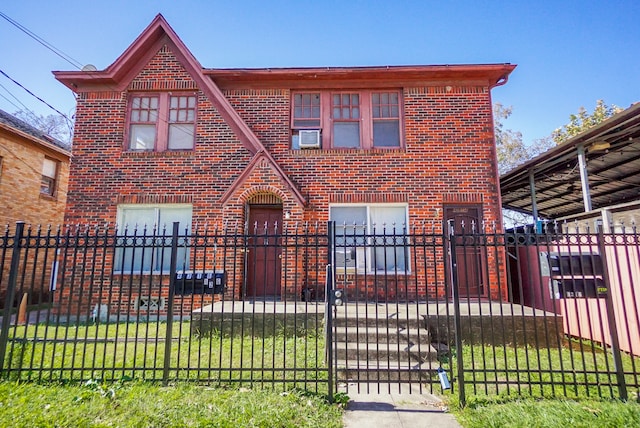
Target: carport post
584	178
534	204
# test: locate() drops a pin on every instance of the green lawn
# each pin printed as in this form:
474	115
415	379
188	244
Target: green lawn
548	413
139	404
250	353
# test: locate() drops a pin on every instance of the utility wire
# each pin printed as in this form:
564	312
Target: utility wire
36	97
43	42
24	107
65	57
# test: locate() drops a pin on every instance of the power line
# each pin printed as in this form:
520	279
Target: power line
36	97
15	98
43	42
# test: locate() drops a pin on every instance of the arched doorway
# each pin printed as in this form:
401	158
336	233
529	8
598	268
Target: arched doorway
264	252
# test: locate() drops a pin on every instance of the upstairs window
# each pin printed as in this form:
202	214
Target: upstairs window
385	108
48	183
347	120
160	122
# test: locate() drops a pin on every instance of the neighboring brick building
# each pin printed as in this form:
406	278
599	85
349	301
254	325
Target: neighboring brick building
393	145
34	171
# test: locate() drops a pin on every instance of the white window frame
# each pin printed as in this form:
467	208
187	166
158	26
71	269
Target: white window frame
365	258
154	229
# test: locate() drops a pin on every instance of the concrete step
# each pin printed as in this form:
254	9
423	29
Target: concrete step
384	320
381	371
384	352
362	334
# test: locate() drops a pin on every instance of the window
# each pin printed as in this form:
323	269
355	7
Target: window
346	120
357	119
49	177
386	119
143	247
371	237
159	122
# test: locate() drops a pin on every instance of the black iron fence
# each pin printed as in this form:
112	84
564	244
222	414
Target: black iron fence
322	307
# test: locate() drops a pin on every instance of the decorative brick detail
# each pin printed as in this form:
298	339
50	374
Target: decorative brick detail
257	92
264	199
452	90
346	198
104	95
154	199
259	191
462	198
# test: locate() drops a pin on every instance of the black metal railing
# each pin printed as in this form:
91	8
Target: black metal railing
320	306
164	305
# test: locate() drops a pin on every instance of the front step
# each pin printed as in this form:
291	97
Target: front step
399	351
383	347
383	371
363	334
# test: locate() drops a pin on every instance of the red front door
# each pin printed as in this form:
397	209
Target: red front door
467	222
263	252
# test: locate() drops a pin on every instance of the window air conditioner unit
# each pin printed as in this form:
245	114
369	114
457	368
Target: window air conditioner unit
310	139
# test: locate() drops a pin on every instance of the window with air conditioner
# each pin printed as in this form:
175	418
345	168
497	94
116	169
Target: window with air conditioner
360	119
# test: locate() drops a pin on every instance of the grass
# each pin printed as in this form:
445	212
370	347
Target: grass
577	370
552	388
542	413
255	354
140	404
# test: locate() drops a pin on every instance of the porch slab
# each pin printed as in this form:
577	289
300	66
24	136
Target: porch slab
487	322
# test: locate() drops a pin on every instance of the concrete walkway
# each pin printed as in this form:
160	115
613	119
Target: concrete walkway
398	409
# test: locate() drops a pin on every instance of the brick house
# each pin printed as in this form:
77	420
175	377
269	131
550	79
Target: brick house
159	138
34	170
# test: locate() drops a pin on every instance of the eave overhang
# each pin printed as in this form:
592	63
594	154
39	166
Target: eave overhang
490	75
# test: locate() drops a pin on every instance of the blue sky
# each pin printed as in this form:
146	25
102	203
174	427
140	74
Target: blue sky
569	53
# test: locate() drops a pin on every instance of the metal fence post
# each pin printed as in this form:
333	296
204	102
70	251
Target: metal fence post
450	239
172	280
11	287
611	318
328	316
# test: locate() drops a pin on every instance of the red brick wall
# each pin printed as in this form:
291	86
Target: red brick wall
448	158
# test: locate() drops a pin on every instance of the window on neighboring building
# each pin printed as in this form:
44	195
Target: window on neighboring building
141	248
49	177
159	122
371	237
356	119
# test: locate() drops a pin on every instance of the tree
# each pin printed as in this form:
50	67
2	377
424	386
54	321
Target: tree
511	150
54	125
582	121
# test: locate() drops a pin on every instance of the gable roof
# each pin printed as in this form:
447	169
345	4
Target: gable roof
15	125
119	74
